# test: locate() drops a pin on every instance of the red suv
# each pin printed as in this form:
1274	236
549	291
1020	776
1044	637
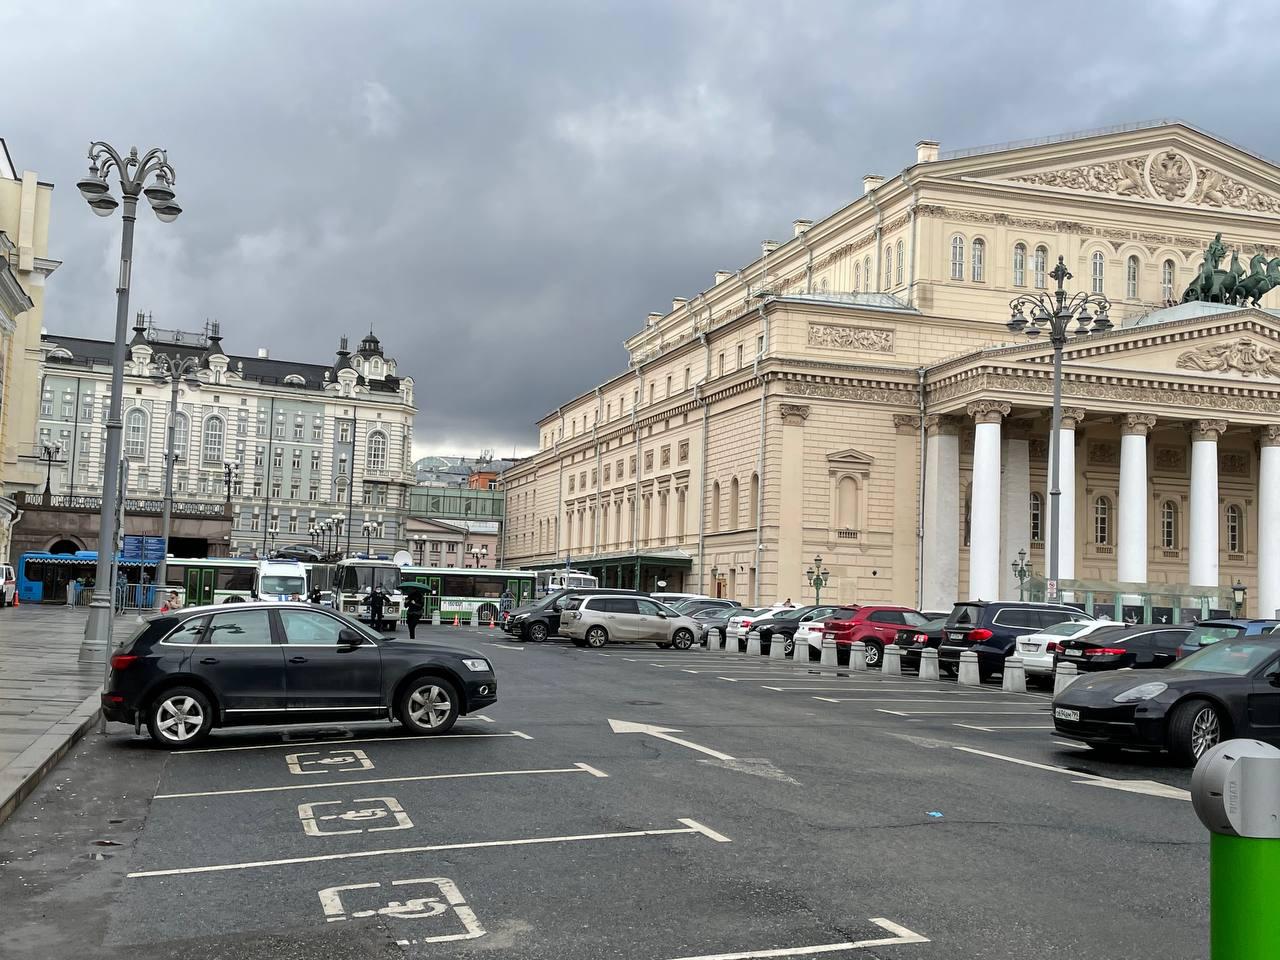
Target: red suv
875	626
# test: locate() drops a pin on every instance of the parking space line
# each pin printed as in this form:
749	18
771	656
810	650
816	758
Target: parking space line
692	826
1152	788
322	743
576	768
503	646
1067	743
899	700
900	935
994	729
966	713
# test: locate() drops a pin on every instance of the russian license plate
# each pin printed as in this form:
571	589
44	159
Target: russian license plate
1030	647
1073	653
956	636
1062	713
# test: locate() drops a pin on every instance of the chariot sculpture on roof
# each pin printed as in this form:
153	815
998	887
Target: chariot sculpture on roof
1233	285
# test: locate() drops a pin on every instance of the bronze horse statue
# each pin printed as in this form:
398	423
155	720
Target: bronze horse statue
1232	286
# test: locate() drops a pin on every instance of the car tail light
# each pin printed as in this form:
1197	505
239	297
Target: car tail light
120	661
977	636
1104	652
1053	646
921	638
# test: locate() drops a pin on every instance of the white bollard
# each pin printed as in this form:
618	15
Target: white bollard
777	647
713	640
858	655
1015	676
929	664
1064	676
800	652
730	642
753	643
829	658
891	662
435	619
969	676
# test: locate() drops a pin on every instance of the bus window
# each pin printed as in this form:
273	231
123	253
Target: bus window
235	578
175	574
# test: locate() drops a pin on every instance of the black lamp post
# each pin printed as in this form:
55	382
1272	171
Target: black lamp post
230	469
818	576
1021	571
1238	594
368	528
1064	317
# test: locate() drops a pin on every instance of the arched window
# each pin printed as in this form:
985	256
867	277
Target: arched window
754	508
866	272
1166	281
715	505
1131	278
857	277
957	257
1235	529
1037	518
1098	271
1102	521
978	256
376	454
901	264
888	266
1169	525
135	434
181	435
733	504
1019	265
847	504
1040	266
214	433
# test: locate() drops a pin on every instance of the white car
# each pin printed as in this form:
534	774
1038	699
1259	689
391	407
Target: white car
740	625
1037	649
8	585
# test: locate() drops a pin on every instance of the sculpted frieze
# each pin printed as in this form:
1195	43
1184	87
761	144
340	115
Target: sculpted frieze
840	336
1245	356
833	391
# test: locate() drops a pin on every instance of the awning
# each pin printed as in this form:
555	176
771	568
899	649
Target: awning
667	559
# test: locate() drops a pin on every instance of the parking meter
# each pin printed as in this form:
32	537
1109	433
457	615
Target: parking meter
1235	791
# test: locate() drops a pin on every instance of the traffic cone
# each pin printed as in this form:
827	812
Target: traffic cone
492	623
455	619
15	598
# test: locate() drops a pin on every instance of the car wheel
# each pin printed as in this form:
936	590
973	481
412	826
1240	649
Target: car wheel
874	652
664	645
538	632
428	705
789	646
597	637
179	717
683	640
1195	728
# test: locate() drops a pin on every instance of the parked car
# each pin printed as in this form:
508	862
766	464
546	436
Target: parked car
671	599
784	624
1038	649
594	620
713	620
876	625
740	623
915	640
8	585
705	603
990	628
541	620
1116	646
184	673
1212	631
1224	690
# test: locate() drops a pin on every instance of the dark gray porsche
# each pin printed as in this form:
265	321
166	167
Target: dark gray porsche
1230	689
186	672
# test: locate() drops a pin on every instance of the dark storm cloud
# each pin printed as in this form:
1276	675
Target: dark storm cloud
504	190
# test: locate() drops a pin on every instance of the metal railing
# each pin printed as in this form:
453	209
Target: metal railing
186	508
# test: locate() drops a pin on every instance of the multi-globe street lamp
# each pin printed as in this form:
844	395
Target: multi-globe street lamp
419	546
47	453
230	471
133	173
818	576
368	528
1064	317
478	553
1021	571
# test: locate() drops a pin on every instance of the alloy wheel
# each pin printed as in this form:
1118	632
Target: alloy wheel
180	718
1206	731
429	705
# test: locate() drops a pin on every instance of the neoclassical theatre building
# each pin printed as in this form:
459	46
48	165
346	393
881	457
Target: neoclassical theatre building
855	394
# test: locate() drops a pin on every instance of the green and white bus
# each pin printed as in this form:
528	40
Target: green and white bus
473	596
212	579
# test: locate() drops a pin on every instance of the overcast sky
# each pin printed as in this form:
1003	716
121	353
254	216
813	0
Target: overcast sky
504	190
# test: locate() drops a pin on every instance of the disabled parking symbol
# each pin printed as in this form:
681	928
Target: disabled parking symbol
432	908
328	761
331	818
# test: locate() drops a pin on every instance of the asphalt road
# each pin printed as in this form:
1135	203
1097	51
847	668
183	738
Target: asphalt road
897	818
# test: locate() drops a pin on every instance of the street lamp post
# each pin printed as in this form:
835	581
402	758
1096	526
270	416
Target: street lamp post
368	528
478	553
337	532
49	452
818	576
272	530
1021	571
420	545
1064	317
174	369
133	172
1238	594
230	469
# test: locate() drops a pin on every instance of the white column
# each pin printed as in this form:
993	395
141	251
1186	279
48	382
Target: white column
941	586
1131	541
1204	501
984	507
1072	417
1268	599
1015	510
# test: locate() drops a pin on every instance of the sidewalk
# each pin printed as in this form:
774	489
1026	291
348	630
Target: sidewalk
48	699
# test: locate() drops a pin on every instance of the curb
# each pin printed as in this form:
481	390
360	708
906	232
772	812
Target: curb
19	779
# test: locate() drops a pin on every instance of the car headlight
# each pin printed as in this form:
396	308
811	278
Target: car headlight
1143	691
477	664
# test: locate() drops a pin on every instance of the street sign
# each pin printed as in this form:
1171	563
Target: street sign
1051	589
153	549
132	548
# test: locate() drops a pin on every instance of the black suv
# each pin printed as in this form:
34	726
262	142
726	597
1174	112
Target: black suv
991	628
541	620
186	672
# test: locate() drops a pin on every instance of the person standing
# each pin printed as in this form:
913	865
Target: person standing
374	602
413	611
504	604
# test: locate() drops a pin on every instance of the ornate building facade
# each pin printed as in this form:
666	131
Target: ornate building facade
854	393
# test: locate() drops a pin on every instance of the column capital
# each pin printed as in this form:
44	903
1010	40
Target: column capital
1072	417
793	413
1209	430
941	424
1269	436
906	422
988	411
1137	424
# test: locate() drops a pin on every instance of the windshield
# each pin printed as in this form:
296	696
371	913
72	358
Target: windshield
936	624
791	614
1207	633
287	585
914	619
1235	659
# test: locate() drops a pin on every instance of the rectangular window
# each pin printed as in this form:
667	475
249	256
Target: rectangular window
297	459
688	373
317	429
315	461
257	457
665	459
293	524
648	461
651	386
280	431
760	345
720	362
275	488
313	491
277	459
257	488
632	467
297	431
739	356
294	487
46	404
344	431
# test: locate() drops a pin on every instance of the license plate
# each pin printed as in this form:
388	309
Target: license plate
956	636
1062	713
1073	653
1031	647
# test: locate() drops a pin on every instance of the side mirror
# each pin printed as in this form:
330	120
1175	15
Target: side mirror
348	639
1274	678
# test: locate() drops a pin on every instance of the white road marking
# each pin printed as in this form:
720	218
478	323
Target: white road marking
337	761
1149	787
694	827
901	935
477	716
416	908
576	768
323	743
1065	743
313	820
893	699
664	733
970	713
522	736
503	646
